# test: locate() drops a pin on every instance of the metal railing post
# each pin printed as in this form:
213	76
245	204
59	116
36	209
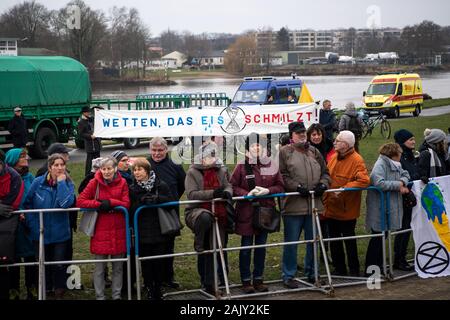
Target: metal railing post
136	252
391	274
214	235
42	287
314	225
383	241
222	259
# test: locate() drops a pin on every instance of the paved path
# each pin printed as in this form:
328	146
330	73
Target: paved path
413	288
428	112
435	111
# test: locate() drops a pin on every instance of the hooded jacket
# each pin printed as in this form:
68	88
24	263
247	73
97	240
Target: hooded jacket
44	196
388	177
110	234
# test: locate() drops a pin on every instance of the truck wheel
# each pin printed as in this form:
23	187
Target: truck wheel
44	138
131	143
79	143
417	111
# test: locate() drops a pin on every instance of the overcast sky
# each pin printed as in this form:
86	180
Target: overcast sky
236	16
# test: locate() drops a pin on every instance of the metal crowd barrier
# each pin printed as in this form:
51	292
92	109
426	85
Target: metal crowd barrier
219	249
317	237
41	260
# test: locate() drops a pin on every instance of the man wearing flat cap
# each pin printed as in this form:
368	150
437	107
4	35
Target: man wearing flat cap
303	169
18	129
92	145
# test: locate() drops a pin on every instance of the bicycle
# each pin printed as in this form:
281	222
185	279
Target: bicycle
369	125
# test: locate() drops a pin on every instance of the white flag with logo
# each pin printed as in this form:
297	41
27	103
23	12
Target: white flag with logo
431	228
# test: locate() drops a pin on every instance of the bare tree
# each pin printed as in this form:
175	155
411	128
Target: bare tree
171	41
87	43
241	56
422	40
28	20
266	45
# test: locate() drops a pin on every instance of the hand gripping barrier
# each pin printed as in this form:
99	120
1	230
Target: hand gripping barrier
41	260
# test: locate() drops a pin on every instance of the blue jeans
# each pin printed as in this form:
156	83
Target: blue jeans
259	257
293	226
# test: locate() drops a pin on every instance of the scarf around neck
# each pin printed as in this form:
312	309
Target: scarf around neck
211	182
148	184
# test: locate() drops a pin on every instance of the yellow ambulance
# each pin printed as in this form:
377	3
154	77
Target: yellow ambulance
394	93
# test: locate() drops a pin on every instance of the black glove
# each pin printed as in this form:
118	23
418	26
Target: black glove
227	195
218	193
424	179
320	189
105	206
304	192
5	210
149	199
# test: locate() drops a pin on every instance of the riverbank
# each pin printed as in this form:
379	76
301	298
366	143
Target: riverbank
351	70
132	82
157	79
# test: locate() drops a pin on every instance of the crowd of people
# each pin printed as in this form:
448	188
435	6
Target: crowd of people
312	160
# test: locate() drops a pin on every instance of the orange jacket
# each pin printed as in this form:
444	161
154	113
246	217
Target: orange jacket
347	171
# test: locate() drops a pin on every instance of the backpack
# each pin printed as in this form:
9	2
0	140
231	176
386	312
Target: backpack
355	127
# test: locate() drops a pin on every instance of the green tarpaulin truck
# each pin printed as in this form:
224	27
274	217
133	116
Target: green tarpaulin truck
51	92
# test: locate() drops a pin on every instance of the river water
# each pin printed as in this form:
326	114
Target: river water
338	89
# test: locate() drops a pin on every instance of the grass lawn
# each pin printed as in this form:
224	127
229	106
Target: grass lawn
436	103
186	267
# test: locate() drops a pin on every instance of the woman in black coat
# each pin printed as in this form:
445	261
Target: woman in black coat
148	189
410	163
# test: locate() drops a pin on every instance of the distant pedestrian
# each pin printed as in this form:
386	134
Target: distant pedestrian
92	144
352	122
18	129
327	118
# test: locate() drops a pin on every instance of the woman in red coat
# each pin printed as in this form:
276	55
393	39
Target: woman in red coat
105	192
267	180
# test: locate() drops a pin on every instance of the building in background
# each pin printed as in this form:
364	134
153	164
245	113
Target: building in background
8	46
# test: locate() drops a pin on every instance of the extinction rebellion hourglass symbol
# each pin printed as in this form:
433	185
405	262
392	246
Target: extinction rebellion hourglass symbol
236	120
432	258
